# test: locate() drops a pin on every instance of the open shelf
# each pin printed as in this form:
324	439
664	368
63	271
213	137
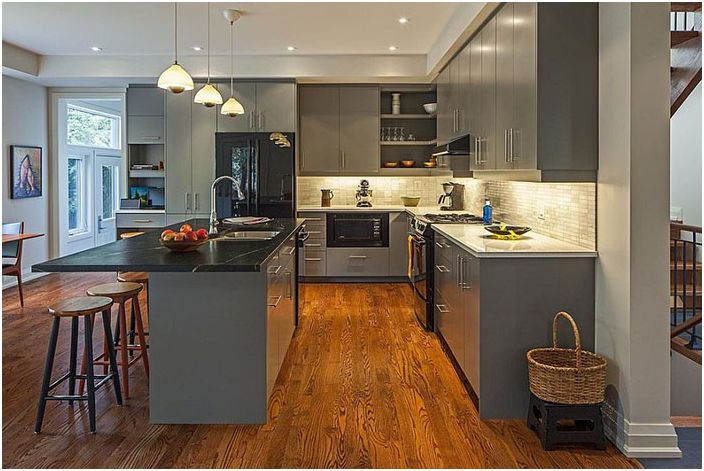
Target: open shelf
409	143
413	172
147	173
409	116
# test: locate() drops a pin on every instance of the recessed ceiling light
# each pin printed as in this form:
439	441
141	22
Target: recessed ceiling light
197	48
291	48
96	48
403	20
393	48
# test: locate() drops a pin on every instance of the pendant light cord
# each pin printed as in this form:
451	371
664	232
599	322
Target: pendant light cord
208	45
176	32
232	59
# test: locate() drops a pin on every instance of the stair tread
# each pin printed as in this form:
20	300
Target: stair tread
682	264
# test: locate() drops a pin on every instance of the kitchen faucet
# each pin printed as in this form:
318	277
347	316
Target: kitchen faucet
213	214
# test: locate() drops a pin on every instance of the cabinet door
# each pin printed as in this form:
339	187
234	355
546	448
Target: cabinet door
398	244
275	107
359	129
445	116
475	102
454	93
487	143
319	110
179	198
504	84
463	92
471	290
524	135
204	122
245	93
288	309
145	101
145	129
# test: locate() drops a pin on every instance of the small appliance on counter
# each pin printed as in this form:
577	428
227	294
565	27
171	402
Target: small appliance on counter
453	199
326	198
364	195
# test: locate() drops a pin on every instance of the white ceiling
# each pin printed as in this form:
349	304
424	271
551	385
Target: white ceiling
265	28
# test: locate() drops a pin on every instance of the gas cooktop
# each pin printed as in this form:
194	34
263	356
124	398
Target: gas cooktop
463	218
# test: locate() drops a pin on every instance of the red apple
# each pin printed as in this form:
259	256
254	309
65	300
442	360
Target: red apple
185	228
179	236
168	236
202	233
191	236
167	231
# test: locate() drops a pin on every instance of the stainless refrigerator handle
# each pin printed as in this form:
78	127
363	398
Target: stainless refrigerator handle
187	201
260	119
466	285
513	153
251	119
195	201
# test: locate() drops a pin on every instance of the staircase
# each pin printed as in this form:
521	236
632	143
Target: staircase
686	290
685	51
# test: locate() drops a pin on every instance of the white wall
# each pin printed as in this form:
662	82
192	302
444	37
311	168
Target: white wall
25	122
632	277
686	158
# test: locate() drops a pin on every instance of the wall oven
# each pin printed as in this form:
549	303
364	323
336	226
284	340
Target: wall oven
353	229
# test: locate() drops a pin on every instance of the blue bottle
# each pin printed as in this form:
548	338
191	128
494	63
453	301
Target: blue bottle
487	212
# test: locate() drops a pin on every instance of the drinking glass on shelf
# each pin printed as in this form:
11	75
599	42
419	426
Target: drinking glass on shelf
395	138
411	137
382	135
402	136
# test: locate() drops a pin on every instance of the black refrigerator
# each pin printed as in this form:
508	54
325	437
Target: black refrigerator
264	166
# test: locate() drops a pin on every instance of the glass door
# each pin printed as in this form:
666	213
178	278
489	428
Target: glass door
107	179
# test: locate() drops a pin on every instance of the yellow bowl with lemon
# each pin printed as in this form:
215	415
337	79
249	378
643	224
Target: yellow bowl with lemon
506	232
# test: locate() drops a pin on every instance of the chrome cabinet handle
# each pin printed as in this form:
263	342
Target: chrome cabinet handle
314	232
275	302
142	220
442	268
275	270
313	219
289	285
465	285
312	245
260	119
442	308
188	201
438	245
513	154
459	271
195	201
313	259
360	257
251	119
506	145
151	138
290	252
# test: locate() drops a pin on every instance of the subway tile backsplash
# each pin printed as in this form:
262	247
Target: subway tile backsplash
564	211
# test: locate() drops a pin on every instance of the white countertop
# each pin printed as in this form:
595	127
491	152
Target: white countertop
381	207
140	211
476	240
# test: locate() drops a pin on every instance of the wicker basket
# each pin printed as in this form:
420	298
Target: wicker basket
566	376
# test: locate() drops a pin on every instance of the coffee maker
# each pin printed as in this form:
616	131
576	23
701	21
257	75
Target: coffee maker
453	198
363	195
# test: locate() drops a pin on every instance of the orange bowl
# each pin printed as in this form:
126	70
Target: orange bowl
183	245
390	164
408	163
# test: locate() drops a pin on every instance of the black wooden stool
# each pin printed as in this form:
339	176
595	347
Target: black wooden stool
587	427
85	307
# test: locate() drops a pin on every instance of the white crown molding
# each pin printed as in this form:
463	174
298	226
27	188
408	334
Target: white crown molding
640	440
19	60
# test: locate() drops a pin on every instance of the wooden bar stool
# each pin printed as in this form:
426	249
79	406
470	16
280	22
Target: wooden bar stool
121	293
142	278
85	307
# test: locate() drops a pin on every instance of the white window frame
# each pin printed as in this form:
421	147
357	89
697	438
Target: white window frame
83	198
116	129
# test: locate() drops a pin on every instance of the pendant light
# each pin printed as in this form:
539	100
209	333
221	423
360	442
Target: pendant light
232	107
175	79
208	95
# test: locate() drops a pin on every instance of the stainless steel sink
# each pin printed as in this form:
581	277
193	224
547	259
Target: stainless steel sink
248	235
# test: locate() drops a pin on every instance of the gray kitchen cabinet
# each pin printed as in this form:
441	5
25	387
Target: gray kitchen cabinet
203	126
145	101
471	286
452	91
357	261
245	93
275	107
398	244
145	129
486	139
464	104
359	130
312	256
339	130
445	118
319	115
179	197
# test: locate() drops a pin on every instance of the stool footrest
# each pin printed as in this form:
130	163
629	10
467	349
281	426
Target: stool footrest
102	379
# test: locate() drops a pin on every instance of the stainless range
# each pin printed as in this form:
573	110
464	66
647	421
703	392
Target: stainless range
422	259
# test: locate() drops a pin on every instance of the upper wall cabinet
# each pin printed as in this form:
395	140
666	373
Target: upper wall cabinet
269	107
528	93
145	115
339	129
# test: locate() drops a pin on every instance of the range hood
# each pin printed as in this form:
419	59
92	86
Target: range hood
459	146
455	156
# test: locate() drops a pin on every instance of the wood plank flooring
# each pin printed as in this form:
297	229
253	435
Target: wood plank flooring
362	386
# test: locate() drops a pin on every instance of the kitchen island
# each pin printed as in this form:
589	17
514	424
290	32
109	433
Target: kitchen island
220	318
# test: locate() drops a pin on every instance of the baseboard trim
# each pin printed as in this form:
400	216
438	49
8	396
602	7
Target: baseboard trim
12	281
640	440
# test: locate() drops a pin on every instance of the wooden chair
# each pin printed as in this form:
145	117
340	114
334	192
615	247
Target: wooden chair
13	250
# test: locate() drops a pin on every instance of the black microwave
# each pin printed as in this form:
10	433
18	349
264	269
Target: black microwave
353	229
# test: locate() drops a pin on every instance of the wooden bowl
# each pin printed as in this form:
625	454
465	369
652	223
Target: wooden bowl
183	245
390	164
408	163
410	201
430	164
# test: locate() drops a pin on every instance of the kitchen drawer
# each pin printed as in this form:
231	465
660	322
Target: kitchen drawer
359	261
312	262
288	250
140	220
313	219
443	248
443	272
145	129
316	234
314	244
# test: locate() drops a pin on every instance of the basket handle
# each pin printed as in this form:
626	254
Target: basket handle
575	331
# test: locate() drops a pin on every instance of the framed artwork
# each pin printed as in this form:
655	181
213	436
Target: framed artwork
25	172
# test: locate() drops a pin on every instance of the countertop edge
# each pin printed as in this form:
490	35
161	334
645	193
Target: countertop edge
507	254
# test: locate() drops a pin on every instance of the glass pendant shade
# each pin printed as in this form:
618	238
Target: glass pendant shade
175	79
208	96
232	108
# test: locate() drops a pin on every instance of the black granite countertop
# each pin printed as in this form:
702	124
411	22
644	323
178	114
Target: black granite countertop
145	253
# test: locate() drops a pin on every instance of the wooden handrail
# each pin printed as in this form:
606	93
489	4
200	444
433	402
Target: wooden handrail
685	227
686	325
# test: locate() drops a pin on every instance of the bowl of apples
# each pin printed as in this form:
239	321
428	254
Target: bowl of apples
185	240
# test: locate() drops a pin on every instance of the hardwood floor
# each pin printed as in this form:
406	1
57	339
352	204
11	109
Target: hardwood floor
362	386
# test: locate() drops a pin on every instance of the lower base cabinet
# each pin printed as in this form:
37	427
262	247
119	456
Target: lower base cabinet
362	261
491	311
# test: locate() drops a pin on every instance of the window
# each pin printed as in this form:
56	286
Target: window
109	190
92	128
77	218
